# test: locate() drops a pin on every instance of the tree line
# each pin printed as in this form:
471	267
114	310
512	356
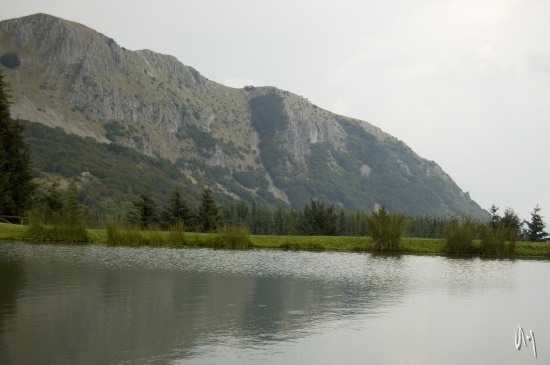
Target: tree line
317	218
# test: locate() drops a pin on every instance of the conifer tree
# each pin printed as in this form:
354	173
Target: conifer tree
145	212
15	169
495	221
319	219
177	209
209	212
511	222
535	228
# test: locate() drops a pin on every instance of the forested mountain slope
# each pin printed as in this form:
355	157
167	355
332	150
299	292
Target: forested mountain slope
255	144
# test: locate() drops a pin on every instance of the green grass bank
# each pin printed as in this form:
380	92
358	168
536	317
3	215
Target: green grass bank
411	245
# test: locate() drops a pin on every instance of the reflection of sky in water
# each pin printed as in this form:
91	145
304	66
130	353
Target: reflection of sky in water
94	304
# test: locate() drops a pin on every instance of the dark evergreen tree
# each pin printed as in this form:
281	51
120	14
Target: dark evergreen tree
495	220
177	210
241	213
15	168
236	214
145	212
342	223
500	230
261	220
292	220
209	212
511	222
280	222
319	219
535	228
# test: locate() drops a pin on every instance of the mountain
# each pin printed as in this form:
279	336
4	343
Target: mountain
253	144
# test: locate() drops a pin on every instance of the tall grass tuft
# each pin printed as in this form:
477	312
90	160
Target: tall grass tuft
154	236
233	237
459	235
64	228
126	237
176	235
112	230
386	230
498	241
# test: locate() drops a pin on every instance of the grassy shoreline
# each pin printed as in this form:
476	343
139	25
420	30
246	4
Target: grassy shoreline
409	245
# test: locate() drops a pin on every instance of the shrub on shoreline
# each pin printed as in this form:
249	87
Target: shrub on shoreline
64	228
176	235
386	230
151	237
459	235
126	237
233	237
498	241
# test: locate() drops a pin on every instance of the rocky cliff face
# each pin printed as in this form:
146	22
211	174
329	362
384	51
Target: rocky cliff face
266	144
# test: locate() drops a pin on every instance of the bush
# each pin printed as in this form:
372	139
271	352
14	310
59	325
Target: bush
498	241
459	234
111	229
176	235
318	219
154	237
386	230
233	237
115	236
63	229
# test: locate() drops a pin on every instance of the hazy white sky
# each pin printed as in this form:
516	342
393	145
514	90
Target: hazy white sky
465	83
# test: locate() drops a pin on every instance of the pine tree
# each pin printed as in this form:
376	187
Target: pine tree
535	228
511	222
209	212
145	212
15	169
495	221
319	219
176	209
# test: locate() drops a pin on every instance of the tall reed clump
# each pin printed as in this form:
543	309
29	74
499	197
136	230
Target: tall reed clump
459	235
36	230
386	230
498	241
176	235
233	237
154	237
64	227
119	237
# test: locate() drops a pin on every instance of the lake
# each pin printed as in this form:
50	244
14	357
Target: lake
92	304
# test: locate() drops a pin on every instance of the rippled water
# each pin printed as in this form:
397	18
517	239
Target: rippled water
117	305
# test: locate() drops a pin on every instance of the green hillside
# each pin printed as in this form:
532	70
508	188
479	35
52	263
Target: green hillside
117	120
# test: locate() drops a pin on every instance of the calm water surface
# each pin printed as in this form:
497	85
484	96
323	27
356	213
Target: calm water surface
117	305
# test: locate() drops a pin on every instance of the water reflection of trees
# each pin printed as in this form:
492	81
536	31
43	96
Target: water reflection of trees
12	281
105	314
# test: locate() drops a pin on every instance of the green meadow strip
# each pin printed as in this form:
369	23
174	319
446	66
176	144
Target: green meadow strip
240	239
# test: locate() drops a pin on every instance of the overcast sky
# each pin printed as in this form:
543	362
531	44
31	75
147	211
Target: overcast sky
465	83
